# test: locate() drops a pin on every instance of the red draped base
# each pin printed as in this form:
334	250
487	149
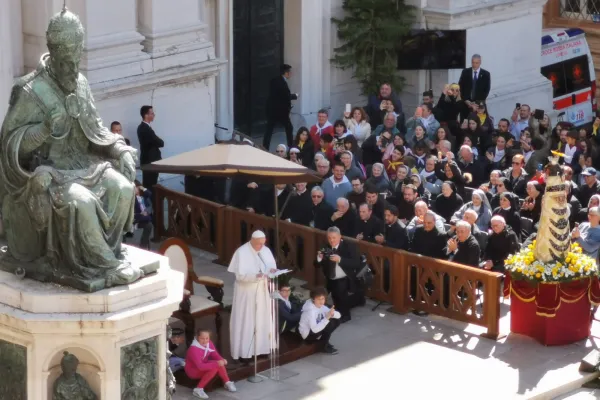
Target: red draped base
553	314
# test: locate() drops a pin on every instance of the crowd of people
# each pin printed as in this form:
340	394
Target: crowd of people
448	181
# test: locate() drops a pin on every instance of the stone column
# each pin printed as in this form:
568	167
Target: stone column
113	47
6	60
304	21
224	50
174	32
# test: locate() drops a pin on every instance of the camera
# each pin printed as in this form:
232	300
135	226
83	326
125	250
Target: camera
326	253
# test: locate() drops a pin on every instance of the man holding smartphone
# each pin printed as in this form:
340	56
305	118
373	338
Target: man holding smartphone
520	120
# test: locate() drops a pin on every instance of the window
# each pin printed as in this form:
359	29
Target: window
577	74
580	9
568	76
555	74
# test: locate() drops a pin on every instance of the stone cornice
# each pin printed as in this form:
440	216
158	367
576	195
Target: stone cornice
152	80
481	14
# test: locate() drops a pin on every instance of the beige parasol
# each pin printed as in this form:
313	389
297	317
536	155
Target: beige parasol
239	159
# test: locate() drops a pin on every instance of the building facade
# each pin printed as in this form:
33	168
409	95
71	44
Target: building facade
207	62
165	53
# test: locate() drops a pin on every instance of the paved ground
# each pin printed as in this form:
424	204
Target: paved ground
384	355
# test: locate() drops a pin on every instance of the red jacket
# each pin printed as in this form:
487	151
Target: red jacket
198	359
315	135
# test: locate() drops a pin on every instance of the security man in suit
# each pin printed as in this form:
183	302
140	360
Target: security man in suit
340	265
150	146
279	105
475	84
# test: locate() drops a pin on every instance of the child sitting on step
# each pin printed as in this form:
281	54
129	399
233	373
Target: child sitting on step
204	362
318	321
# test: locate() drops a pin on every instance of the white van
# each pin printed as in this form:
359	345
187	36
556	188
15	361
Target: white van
568	64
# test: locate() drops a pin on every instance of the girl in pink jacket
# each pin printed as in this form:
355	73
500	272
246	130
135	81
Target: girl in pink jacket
204	362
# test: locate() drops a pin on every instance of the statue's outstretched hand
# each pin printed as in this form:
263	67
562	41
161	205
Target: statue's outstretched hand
127	165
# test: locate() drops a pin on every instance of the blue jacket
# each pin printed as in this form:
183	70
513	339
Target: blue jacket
137	209
340	190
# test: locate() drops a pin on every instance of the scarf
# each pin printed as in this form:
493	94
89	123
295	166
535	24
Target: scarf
300	144
393	165
499	155
420	160
206	349
426	176
319	129
569	153
482	118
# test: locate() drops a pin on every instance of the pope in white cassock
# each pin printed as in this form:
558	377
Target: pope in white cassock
251	300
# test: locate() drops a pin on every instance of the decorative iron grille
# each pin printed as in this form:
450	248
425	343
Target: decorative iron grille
580	9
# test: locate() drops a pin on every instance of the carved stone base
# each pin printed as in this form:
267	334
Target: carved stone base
41	270
43	320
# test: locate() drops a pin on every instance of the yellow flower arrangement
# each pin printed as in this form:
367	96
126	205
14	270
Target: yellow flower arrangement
575	266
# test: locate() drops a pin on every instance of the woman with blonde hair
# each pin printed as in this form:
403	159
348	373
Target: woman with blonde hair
448	108
357	122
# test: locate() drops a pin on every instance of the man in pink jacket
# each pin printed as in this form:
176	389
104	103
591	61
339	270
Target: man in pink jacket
204	362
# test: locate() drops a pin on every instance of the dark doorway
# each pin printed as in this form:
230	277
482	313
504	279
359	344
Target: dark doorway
257	55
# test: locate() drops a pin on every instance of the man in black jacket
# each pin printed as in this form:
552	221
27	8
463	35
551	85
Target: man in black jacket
345	218
369	226
463	249
321	211
150	146
395	235
279	105
475	84
299	207
340	270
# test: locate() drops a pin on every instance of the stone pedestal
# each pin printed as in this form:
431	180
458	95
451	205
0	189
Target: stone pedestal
118	334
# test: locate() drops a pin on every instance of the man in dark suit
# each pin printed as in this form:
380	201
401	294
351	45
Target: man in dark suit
475	84
279	105
150	146
464	249
340	270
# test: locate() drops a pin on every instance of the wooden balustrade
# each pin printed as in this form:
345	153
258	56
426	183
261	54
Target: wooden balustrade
196	221
405	280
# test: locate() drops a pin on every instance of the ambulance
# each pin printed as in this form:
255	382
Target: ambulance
567	62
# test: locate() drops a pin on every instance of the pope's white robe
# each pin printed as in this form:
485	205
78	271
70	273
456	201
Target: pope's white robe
250	298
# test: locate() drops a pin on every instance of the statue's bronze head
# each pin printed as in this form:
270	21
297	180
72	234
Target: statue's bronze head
69	364
64	37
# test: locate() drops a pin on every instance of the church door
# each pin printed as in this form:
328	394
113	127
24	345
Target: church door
257	55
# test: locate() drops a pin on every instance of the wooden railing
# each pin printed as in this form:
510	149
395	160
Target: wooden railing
405	280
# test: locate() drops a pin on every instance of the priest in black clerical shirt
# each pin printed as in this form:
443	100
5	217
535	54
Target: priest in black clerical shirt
369	226
395	235
406	204
357	195
463	249
321	211
345	218
427	239
299	207
375	200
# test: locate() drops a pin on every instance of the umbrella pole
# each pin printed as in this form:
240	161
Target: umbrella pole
276	238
